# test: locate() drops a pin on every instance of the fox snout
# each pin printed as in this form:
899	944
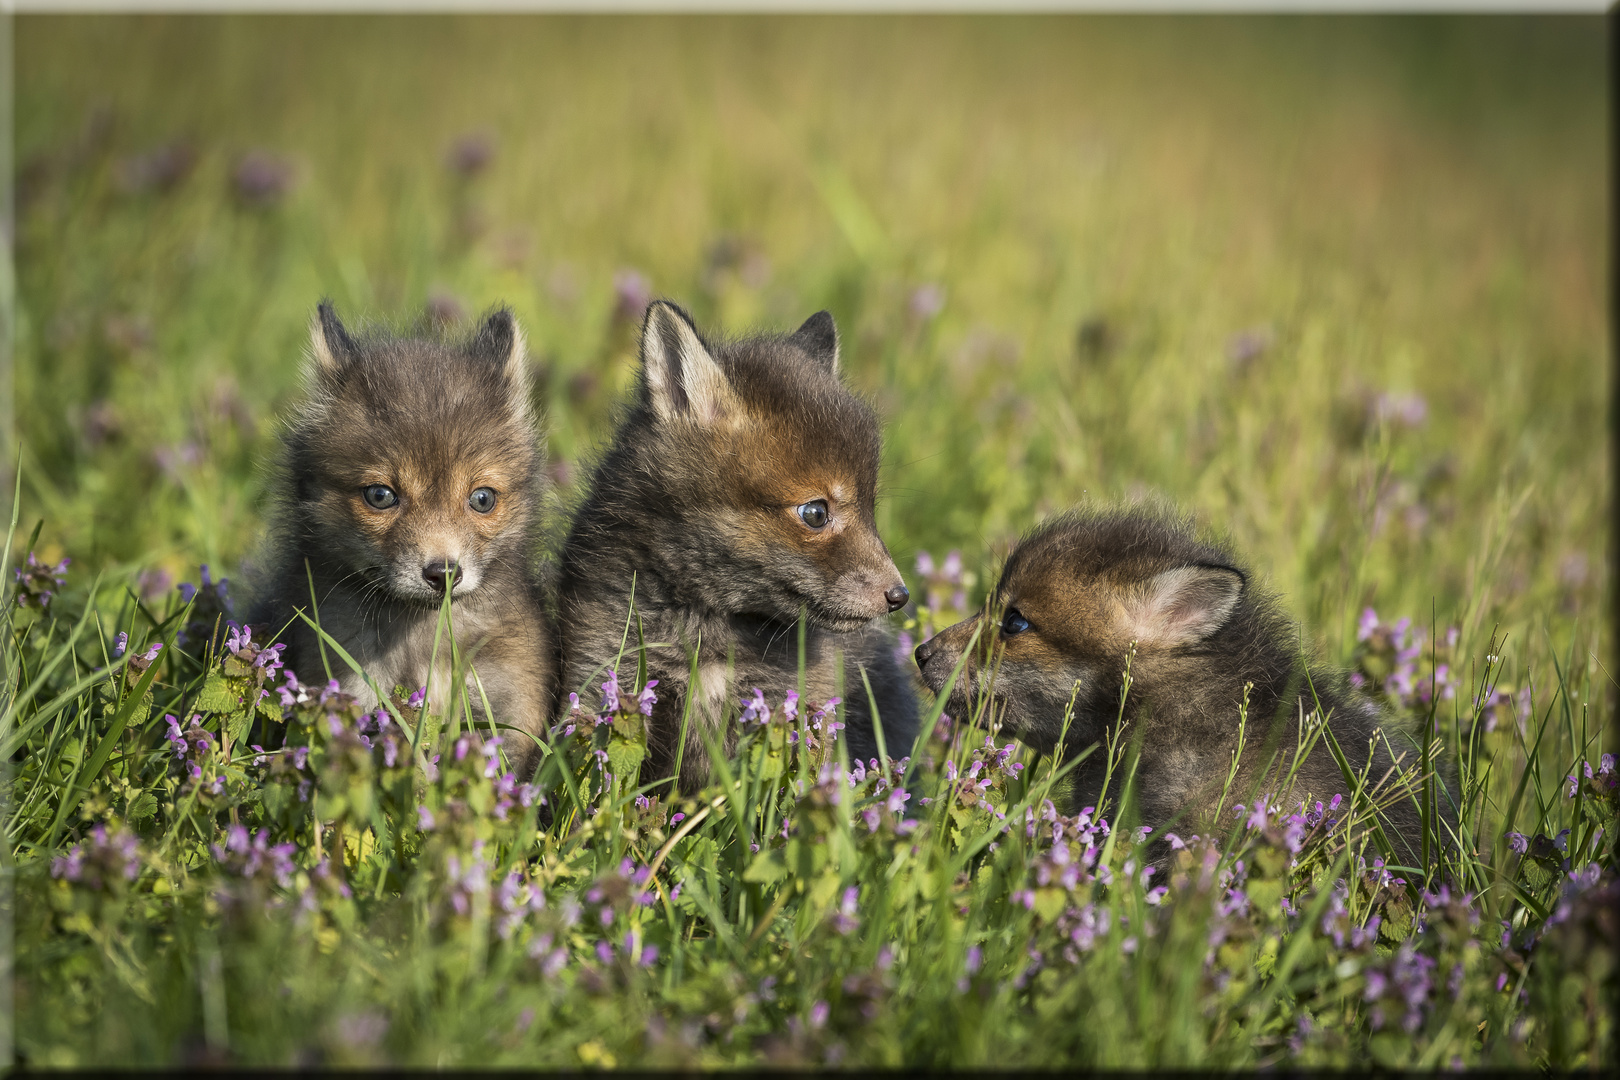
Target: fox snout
869	590
937	657
437	571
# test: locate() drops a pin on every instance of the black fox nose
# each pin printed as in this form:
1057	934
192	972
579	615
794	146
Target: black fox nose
923	652
897	597
435	573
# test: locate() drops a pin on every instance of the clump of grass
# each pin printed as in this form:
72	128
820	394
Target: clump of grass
379	887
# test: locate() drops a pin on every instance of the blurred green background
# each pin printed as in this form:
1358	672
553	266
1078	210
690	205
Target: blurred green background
1336	284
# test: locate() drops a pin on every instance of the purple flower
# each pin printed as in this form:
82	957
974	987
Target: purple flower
632	293
754	709
470	154
646	699
818	1014
424	819
1518	842
926	301
610	693
844	919
261	178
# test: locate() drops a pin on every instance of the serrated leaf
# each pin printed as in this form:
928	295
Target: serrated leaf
218	695
143	807
236	728
625	757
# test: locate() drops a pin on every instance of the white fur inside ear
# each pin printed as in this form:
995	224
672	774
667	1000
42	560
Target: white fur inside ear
683	379
326	360
1181	606
516	365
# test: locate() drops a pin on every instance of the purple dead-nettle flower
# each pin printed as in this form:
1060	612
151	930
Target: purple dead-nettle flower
903	645
291	690
1257	817
926	301
1561	842
492	758
844	920
1368	624
1294	833
37	582
1142	832
261	178
790	707
300	757
754	709
1519	842
604	952
610	693
101	859
120	643
424	819
247	855
647	699
1085	925
632	293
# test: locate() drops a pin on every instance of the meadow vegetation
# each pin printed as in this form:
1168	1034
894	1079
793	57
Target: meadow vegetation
1333	284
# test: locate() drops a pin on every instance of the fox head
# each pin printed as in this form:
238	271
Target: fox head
1078	597
757	469
415	461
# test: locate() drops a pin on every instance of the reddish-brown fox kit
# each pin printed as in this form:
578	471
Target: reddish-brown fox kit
413	469
738	491
1085	593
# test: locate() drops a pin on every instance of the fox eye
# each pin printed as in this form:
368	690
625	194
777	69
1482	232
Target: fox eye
379	496
814	514
1013	623
482	500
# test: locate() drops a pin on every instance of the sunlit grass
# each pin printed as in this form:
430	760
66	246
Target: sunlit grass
1334	284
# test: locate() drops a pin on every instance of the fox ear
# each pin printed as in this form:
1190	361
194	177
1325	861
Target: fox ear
333	347
819	337
1182	606
682	378
500	341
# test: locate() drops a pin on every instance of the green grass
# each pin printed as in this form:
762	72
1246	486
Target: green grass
1178	256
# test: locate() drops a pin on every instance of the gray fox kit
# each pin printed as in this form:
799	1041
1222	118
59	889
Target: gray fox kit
414	468
738	491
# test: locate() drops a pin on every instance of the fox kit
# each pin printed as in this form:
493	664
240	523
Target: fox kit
414	469
738	491
1081	590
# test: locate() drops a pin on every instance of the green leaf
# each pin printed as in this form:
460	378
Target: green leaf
767	868
217	696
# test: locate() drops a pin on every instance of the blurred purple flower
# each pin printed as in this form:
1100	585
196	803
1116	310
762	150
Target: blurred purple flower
925	302
261	178
632	293
470	154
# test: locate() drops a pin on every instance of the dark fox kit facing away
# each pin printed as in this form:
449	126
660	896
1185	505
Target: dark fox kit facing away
738	491
1075	595
412	469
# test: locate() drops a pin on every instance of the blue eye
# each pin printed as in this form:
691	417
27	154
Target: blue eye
379	496
1013	623
482	500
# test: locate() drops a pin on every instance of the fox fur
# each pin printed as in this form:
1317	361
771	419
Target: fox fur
1075	595
699	505
414	464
